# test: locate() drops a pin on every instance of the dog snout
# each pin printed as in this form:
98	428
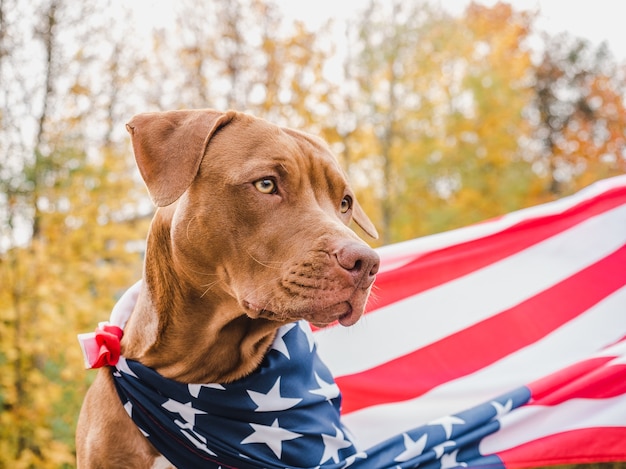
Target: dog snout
360	261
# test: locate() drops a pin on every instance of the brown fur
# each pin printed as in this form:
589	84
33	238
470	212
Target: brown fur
226	263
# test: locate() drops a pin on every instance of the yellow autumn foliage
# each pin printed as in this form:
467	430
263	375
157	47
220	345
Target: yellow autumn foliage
439	120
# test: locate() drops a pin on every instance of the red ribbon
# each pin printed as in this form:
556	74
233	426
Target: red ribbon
108	339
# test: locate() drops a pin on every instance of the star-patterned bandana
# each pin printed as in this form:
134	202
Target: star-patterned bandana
285	414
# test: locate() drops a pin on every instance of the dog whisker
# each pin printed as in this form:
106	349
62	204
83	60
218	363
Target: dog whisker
204	274
278	264
263	302
208	287
261	286
188	225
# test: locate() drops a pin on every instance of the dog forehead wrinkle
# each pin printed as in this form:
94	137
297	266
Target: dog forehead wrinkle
327	178
317	149
266	149
254	168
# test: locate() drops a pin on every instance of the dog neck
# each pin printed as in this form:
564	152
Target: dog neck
187	335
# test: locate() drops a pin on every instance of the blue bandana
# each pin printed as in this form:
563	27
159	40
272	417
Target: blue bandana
284	415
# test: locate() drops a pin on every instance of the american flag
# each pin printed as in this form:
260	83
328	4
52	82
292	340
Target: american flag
523	315
498	345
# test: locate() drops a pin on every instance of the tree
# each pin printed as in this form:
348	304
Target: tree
64	281
247	60
579	114
66	230
444	100
391	102
482	161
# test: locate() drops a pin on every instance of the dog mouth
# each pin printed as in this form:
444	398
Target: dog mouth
342	312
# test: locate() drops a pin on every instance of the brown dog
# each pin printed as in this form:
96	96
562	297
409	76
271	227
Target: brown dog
251	234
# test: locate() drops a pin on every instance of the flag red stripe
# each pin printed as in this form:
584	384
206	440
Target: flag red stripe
542	388
479	345
601	383
589	445
443	265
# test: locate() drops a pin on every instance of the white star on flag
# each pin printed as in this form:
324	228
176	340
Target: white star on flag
327	390
447	422
272	401
272	436
186	411
412	448
279	343
122	365
449	461
502	409
308	333
350	460
197	440
128	407
332	445
441	448
194	389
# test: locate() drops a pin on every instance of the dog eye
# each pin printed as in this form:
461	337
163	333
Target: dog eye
265	186
346	204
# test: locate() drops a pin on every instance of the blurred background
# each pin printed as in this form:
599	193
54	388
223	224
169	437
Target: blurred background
443	114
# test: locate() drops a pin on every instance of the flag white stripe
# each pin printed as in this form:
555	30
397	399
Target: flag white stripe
577	340
413	323
534	422
409	249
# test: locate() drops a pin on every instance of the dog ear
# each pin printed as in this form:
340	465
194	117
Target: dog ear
169	147
361	219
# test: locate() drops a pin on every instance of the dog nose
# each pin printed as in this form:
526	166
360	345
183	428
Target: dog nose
360	261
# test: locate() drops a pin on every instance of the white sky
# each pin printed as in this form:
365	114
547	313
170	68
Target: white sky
596	20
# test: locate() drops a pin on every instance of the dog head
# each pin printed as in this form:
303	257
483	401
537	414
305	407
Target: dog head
259	215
